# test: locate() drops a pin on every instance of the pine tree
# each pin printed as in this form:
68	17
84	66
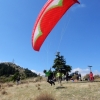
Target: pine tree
60	64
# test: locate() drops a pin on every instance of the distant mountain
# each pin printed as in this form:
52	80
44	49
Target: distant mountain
8	69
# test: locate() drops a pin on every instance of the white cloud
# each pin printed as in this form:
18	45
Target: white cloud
33	71
81	71
96	72
85	71
37	72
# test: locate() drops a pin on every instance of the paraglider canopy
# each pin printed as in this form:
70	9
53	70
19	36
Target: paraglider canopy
50	14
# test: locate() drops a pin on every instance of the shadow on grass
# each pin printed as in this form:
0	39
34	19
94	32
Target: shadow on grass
61	87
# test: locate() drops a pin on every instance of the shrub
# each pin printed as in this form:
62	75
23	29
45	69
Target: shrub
75	77
10	85
4	92
96	76
45	96
86	77
38	79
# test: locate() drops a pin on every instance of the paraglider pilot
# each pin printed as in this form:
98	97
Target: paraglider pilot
49	74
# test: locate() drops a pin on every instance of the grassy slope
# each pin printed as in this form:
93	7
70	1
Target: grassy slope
68	91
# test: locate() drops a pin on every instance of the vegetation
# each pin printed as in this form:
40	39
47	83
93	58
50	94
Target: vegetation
10	71
60	64
29	73
74	77
30	90
96	76
86	77
6	69
45	96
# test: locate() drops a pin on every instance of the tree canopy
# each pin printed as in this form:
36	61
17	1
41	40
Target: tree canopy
60	64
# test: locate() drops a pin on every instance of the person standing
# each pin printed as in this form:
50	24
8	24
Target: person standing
59	76
91	76
67	76
18	80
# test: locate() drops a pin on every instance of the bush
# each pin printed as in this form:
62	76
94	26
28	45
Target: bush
38	79
4	79
4	92
96	76
45	96
75	77
10	85
14	77
86	77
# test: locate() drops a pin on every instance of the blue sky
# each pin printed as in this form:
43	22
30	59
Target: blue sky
76	36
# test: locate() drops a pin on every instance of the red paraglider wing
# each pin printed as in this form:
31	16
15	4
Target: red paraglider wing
51	13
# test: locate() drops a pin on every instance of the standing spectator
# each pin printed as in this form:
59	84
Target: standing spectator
80	77
59	76
18	80
67	76
91	76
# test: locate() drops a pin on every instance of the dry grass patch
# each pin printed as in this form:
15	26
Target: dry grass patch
36	91
10	85
26	86
4	92
38	86
45	96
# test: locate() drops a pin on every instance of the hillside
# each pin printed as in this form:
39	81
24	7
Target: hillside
8	70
